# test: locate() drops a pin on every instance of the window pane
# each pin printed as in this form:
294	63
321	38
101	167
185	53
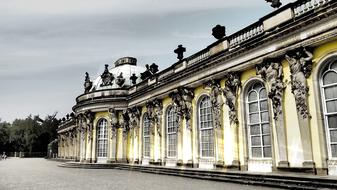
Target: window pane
263	105
257	86
331	106
256	152
332	120
329	78
253	107
334	150
333	136
256	141
266	140
265	128
330	92
263	93
334	66
267	152
254	118
264	116
255	129
252	96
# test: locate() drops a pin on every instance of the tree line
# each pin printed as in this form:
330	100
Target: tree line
31	134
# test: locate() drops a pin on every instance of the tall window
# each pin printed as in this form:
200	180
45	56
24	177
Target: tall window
102	138
206	137
171	132
146	136
329	96
258	122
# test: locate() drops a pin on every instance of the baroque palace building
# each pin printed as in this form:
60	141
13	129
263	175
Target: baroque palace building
263	99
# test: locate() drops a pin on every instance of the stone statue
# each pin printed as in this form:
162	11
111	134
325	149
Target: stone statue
134	115
107	77
274	3
150	71
300	69
120	80
216	101
114	121
151	115
87	83
232	84
89	116
219	32
187	96
125	122
158	114
272	73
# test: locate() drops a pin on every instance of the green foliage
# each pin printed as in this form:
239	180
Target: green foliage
31	134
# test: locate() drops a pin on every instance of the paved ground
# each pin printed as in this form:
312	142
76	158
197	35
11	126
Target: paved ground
41	174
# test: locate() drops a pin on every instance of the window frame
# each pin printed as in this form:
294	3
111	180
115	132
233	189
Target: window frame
146	123
102	153
170	110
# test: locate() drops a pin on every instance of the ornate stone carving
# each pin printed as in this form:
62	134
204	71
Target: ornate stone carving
120	80
182	100
133	79
300	68
216	101
89	116
219	31
151	115
107	77
274	3
180	52
150	71
87	83
114	121
158	114
134	118
125	122
271	72
232	85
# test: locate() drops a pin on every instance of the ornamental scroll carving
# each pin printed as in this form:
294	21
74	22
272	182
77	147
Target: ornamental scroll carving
216	101
232	85
300	68
182	100
271	72
113	121
107	77
89	116
158	114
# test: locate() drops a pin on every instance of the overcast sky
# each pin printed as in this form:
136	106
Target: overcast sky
46	46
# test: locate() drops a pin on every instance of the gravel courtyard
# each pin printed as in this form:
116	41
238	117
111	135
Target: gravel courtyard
41	174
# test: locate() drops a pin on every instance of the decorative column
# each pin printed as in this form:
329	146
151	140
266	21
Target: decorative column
125	129
230	93
272	73
151	117
113	135
82	128
300	68
217	104
134	123
89	116
158	105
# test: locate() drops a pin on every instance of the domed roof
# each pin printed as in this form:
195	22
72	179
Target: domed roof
118	76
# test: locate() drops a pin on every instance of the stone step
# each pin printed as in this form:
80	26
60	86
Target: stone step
271	180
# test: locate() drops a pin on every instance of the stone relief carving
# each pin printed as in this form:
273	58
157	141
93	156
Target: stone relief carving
89	122
216	101
125	122
232	85
107	77
114	121
300	68
182	101
134	118
271	72
87	83
158	114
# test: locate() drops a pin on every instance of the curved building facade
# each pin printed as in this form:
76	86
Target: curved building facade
262	99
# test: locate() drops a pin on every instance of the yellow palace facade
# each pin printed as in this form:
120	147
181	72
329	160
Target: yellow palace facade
263	99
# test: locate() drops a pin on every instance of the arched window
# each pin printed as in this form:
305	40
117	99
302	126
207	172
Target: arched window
171	132
259	138
102	138
329	97
146	136
206	137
